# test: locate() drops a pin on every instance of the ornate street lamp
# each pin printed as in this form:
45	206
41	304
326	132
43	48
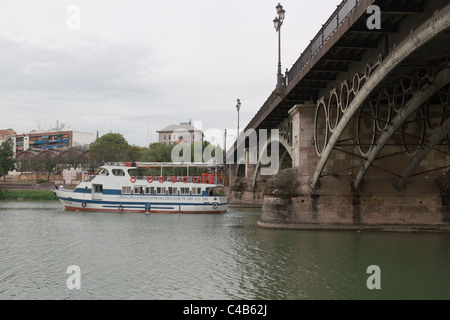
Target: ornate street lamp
238	107
278	22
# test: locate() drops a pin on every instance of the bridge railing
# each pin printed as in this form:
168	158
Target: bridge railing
339	15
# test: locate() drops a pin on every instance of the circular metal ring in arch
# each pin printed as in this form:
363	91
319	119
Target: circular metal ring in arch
383	106
436	108
333	109
399	96
345	96
413	131
366	117
356	83
321	127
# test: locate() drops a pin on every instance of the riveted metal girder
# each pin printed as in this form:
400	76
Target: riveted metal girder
440	134
416	101
438	23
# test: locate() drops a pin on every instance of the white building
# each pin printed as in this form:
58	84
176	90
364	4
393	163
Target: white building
183	132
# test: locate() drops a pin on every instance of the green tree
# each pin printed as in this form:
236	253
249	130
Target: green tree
211	151
7	162
73	159
135	153
157	152
49	164
111	147
36	165
24	165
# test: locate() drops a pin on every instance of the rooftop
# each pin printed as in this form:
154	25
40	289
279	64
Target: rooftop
182	126
7	133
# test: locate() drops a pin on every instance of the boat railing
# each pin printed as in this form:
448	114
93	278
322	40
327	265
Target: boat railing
148	165
204	179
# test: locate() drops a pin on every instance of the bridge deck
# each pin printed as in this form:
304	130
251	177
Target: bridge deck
344	39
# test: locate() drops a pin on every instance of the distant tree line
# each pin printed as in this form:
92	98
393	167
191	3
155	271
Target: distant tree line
111	147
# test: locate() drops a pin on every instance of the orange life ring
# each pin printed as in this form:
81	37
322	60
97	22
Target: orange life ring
149	179
173	179
185	179
161	179
133	179
195	179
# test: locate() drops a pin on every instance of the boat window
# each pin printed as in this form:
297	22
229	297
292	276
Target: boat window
138	190
184	190
104	172
98	188
126	190
133	172
149	190
118	172
161	190
173	190
197	191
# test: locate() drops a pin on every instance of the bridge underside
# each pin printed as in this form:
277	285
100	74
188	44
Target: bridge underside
370	132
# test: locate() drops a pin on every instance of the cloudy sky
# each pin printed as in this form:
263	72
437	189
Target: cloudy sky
136	66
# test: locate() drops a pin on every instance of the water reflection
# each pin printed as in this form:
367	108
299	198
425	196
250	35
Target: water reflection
164	256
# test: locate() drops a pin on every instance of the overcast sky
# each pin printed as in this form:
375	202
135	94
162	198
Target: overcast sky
136	66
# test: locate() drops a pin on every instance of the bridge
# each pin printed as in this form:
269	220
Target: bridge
359	123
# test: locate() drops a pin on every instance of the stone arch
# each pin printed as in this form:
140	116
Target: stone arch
287	150
46	154
25	158
26	155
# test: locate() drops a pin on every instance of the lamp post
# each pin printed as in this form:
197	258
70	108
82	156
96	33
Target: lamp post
278	22
238	107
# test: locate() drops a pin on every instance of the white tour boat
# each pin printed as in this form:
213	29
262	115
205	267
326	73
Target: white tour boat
131	187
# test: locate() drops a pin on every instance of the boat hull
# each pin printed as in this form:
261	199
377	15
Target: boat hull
142	204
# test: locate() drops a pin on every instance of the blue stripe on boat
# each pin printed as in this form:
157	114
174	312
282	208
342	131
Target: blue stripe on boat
139	203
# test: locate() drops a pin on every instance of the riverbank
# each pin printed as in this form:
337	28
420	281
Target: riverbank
36	194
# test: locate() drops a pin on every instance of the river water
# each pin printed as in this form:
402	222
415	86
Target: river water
227	256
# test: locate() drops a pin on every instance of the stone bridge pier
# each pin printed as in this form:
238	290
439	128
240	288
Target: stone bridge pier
382	201
372	151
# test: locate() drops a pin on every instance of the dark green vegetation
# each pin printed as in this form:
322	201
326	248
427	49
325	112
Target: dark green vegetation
112	147
27	195
7	162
